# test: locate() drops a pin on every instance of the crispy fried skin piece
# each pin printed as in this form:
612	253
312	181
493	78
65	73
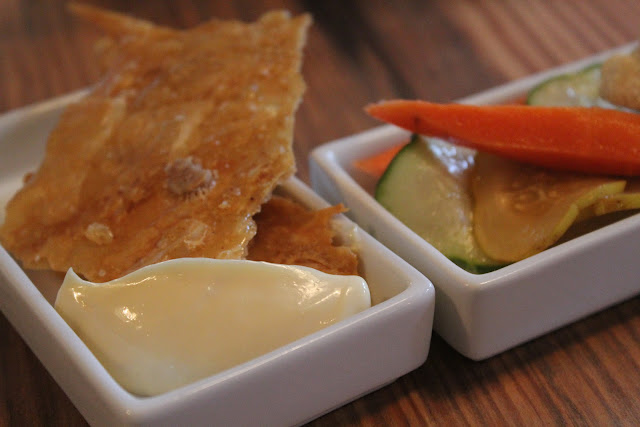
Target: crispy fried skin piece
172	152
290	234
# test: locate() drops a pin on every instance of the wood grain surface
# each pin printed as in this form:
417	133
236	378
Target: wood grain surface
587	373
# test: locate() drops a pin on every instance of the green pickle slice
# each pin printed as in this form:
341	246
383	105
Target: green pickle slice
575	89
426	186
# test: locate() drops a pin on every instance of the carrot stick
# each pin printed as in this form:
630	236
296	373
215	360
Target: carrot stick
593	140
377	164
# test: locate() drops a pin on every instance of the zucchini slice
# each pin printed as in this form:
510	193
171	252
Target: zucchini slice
521	210
581	89
575	89
426	186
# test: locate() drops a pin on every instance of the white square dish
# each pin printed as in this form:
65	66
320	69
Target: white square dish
287	386
481	315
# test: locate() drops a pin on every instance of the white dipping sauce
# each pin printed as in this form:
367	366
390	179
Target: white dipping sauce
171	323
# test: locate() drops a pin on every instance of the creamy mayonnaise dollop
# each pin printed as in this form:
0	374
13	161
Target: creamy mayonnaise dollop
178	321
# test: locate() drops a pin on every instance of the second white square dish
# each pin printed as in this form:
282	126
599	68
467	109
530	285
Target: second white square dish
481	315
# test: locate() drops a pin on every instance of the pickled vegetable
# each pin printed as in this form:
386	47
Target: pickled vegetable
521	210
574	89
579	139
426	186
627	200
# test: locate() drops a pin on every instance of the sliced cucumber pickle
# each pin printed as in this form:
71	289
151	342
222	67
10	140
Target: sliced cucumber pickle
426	186
575	89
521	210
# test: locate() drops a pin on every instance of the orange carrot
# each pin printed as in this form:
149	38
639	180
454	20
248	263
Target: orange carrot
593	140
377	164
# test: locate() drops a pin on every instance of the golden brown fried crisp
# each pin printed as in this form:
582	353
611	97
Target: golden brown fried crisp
290	234
172	152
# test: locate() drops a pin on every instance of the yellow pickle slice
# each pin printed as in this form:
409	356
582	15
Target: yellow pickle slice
521	210
629	199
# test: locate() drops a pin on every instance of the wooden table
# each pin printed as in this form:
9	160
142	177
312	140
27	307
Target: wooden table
358	52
